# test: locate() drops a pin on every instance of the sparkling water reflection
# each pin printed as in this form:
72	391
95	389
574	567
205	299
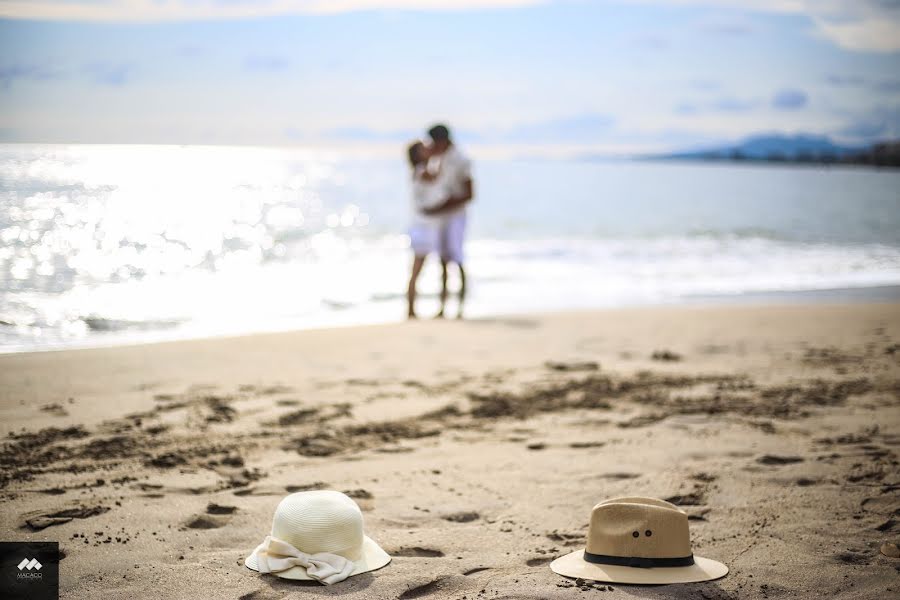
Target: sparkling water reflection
104	244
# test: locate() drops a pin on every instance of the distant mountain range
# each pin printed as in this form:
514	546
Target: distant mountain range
795	149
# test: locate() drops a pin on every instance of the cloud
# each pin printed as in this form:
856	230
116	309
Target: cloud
112	74
194	10
873	34
366	134
651	41
705	85
103	73
582	128
845	80
266	63
865	129
789	99
890	86
721	104
189	51
884	86
859	25
879	123
9	74
723	27
578	128
729	104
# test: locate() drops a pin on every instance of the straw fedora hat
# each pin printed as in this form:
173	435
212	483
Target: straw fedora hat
638	540
317	536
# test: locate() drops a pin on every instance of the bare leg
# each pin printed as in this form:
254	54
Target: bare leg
418	261
440	314
462	291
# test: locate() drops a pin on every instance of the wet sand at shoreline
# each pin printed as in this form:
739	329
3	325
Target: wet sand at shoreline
475	449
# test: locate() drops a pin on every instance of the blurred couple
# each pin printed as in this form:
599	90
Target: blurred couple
441	189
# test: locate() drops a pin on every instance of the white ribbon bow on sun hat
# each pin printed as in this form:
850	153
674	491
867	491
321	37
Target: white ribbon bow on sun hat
274	556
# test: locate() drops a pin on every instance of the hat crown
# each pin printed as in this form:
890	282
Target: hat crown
320	521
639	527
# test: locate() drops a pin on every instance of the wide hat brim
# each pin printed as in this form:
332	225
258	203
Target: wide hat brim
372	557
574	565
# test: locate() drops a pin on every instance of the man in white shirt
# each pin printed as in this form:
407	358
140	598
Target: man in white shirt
457	169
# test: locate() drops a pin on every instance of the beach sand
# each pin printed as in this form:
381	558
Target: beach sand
476	450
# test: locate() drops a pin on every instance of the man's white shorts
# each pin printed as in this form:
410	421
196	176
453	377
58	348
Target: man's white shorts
452	236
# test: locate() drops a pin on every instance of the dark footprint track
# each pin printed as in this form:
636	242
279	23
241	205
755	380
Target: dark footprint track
581	445
317	485
887	525
852	558
774	459
565	538
220	509
463	517
418	552
255	595
695	498
252	491
428	589
619	476
37	522
572	366
206	522
539	561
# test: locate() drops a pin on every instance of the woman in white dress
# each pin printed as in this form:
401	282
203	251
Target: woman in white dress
429	190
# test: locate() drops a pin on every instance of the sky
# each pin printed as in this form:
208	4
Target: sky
605	76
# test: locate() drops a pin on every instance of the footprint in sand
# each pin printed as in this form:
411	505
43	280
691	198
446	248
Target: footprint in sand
316	485
43	520
259	491
695	498
420	591
264	594
887	525
884	505
220	509
572	366
565	538
462	517
579	445
619	476
774	459
852	558
417	552
697	514
360	494
216	516
206	522
538	561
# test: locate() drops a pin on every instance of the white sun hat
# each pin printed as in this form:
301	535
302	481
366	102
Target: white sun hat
317	536
638	540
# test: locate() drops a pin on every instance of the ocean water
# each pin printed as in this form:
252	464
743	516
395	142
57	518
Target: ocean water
116	244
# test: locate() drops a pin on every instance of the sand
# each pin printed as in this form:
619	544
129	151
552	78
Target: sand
476	450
